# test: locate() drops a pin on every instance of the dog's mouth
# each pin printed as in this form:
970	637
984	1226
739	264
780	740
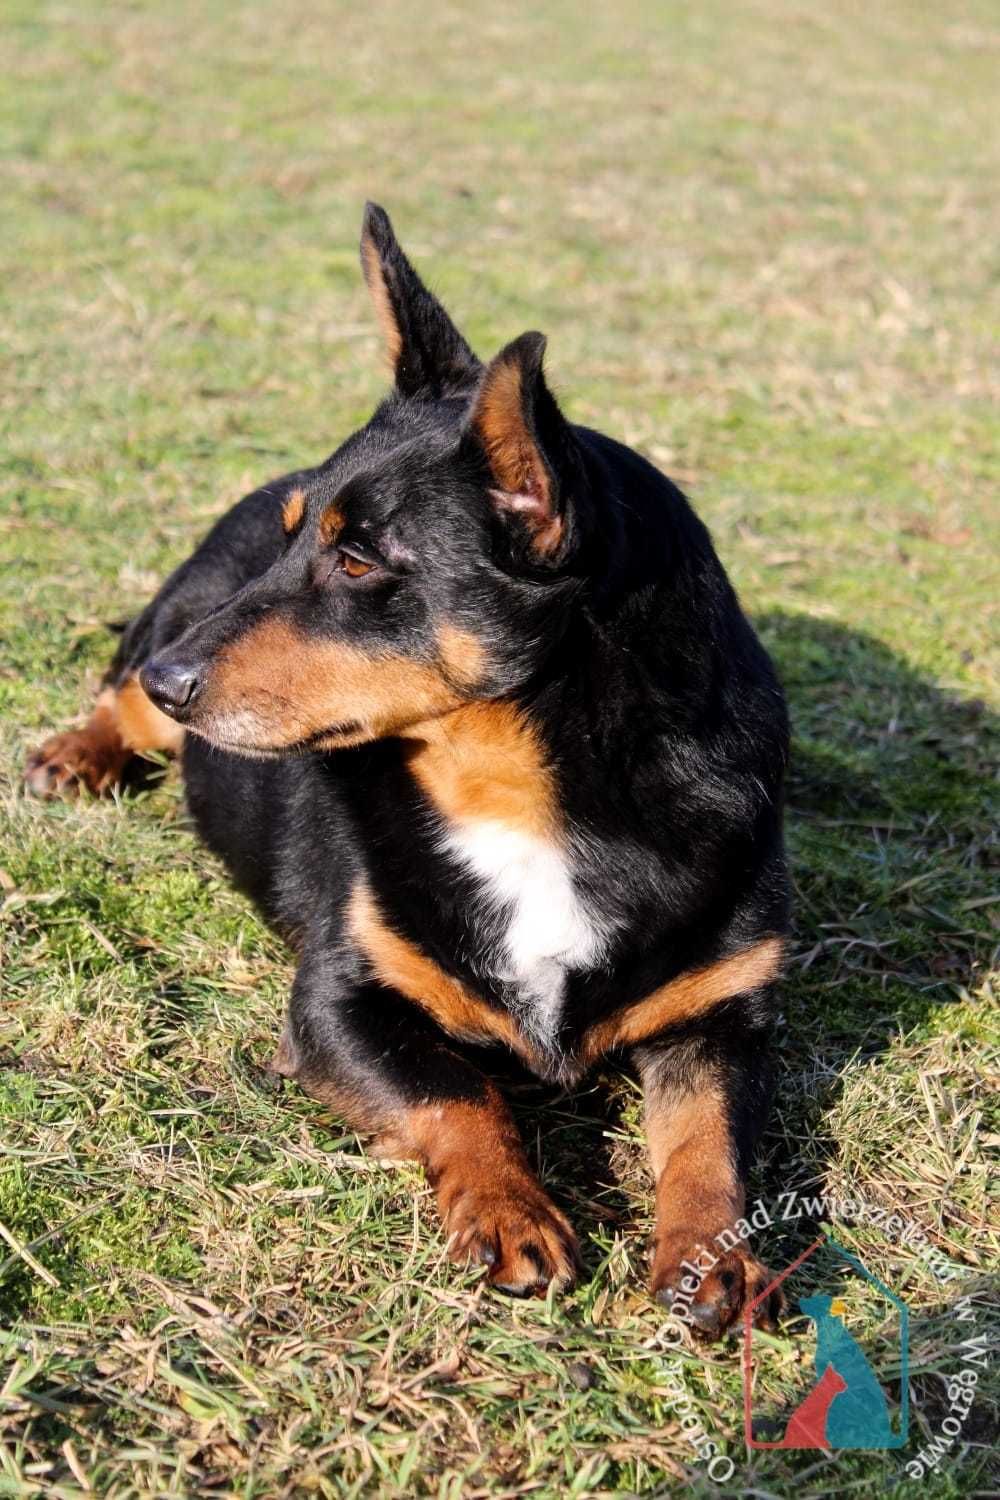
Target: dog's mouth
347	728
347	731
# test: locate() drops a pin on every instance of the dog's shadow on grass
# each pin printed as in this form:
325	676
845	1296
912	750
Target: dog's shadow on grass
889	826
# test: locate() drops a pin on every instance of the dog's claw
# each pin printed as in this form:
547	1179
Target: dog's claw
521	1237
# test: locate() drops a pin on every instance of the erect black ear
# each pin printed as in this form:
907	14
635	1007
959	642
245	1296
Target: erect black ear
427	353
528	445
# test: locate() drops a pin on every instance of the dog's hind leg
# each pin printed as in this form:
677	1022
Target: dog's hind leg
99	755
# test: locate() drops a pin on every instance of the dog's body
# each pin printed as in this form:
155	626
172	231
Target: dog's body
478	721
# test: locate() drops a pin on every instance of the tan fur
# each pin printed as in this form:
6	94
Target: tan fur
294	686
514	459
360	1109
486	761
331	524
461	655
685	997
141	724
400	964
698	1194
698	1189
499	421
684	1132
391	336
435	1135
493	1207
123	722
478	1135
293	510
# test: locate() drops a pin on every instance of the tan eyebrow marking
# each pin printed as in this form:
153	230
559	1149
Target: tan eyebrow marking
331	524
293	510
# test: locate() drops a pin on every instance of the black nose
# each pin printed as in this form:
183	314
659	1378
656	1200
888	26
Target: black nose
172	686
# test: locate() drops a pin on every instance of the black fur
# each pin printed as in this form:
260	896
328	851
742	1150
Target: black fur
659	711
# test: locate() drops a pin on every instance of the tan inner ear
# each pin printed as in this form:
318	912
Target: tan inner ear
375	277
499	421
516	464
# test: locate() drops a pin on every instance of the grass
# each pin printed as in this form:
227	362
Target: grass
762	241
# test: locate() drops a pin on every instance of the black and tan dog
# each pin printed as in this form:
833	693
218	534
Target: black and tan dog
472	711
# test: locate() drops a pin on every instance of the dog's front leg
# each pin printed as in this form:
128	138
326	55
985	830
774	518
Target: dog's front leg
705	1102
391	1072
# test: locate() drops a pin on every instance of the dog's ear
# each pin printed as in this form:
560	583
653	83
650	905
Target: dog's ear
427	353
529	447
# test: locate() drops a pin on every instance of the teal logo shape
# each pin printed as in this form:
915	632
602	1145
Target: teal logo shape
846	1406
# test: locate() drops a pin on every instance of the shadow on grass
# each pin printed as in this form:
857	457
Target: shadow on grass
892	834
891	827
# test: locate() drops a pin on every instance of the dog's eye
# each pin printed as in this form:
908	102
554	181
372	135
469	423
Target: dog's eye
354	567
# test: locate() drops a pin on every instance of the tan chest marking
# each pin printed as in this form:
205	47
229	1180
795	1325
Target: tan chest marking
485	763
485	771
684	999
402	966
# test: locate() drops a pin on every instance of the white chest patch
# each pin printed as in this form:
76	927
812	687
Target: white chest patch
543	928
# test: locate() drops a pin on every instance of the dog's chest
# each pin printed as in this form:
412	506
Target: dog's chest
532	923
499	815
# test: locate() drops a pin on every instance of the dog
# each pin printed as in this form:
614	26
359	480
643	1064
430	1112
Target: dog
472	712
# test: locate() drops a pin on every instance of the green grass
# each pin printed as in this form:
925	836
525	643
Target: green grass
762	240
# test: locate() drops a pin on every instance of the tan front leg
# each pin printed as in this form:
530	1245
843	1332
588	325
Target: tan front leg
699	1197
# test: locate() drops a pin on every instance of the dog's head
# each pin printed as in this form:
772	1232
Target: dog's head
426	564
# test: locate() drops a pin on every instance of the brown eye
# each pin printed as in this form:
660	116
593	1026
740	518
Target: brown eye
353	566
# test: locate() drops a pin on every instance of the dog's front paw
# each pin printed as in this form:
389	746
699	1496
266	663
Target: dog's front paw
78	758
518	1233
709	1290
